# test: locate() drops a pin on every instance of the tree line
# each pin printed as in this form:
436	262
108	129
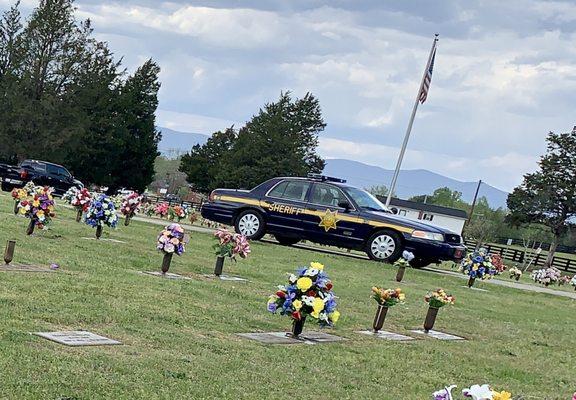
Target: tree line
66	99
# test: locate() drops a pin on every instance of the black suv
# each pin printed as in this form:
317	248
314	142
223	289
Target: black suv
325	210
42	173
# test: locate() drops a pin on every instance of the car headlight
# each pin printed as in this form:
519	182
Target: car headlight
428	235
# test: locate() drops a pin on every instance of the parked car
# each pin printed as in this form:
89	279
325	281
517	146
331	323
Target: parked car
328	211
41	173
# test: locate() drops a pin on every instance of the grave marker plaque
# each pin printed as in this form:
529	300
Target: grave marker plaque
77	338
438	335
388	336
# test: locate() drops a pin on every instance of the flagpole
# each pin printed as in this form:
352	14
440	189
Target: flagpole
409	129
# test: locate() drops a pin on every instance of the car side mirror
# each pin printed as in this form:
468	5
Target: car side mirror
345	205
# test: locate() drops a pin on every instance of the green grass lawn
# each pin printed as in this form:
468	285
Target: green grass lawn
179	336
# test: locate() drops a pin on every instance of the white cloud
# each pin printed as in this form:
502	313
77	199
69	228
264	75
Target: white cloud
191	122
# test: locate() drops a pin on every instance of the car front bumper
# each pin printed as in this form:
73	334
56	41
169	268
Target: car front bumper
436	251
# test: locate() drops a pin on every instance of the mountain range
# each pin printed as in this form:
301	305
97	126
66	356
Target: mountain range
410	182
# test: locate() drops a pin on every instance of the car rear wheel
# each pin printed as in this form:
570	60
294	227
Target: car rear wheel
6	187
250	223
286	240
385	246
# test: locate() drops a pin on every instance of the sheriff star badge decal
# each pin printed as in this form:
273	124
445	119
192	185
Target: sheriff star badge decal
328	220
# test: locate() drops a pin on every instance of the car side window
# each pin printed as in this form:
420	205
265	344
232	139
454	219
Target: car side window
63	172
290	190
52	169
327	195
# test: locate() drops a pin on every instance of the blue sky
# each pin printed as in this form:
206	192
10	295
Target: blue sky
505	72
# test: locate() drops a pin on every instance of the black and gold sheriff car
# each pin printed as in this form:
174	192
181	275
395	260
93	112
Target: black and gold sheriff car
328	211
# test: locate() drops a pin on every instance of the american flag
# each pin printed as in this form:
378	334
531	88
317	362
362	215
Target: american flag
427	80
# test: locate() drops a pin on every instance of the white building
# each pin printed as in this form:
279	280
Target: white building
445	217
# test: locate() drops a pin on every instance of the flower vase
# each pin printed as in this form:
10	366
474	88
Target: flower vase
471	282
166	262
219	266
379	318
9	252
16	206
98	231
31	227
298	327
128	218
400	274
79	215
430	319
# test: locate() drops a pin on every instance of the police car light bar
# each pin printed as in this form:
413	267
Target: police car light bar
324	178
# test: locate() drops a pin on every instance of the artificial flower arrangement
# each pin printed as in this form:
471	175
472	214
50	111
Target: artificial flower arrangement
102	211
19	194
515	273
546	276
178	212
161	209
39	208
308	294
385	298
478	265
436	300
229	245
170	241
81	201
130	206
497	263
70	194
563	280
149	209
402	263
474	392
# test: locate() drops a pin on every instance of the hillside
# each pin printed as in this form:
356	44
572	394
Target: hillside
410	182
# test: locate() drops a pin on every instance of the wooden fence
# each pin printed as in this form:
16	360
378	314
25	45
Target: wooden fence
195	206
517	256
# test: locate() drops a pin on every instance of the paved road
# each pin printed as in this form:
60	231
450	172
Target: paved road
329	250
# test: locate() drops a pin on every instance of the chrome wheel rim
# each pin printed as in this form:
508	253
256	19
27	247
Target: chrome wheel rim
248	225
382	246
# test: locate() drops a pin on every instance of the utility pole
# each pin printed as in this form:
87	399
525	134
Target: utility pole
419	100
474	202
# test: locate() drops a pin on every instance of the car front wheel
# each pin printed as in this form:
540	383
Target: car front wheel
250	223
385	246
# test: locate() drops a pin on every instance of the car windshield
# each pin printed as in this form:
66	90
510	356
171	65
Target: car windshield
366	200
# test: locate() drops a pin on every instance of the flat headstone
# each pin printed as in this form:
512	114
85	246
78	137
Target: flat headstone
286	338
168	275
438	335
225	278
104	240
271	338
77	338
388	335
23	268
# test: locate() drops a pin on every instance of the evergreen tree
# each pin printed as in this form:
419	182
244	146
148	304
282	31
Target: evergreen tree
202	164
280	141
65	99
548	196
139	144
